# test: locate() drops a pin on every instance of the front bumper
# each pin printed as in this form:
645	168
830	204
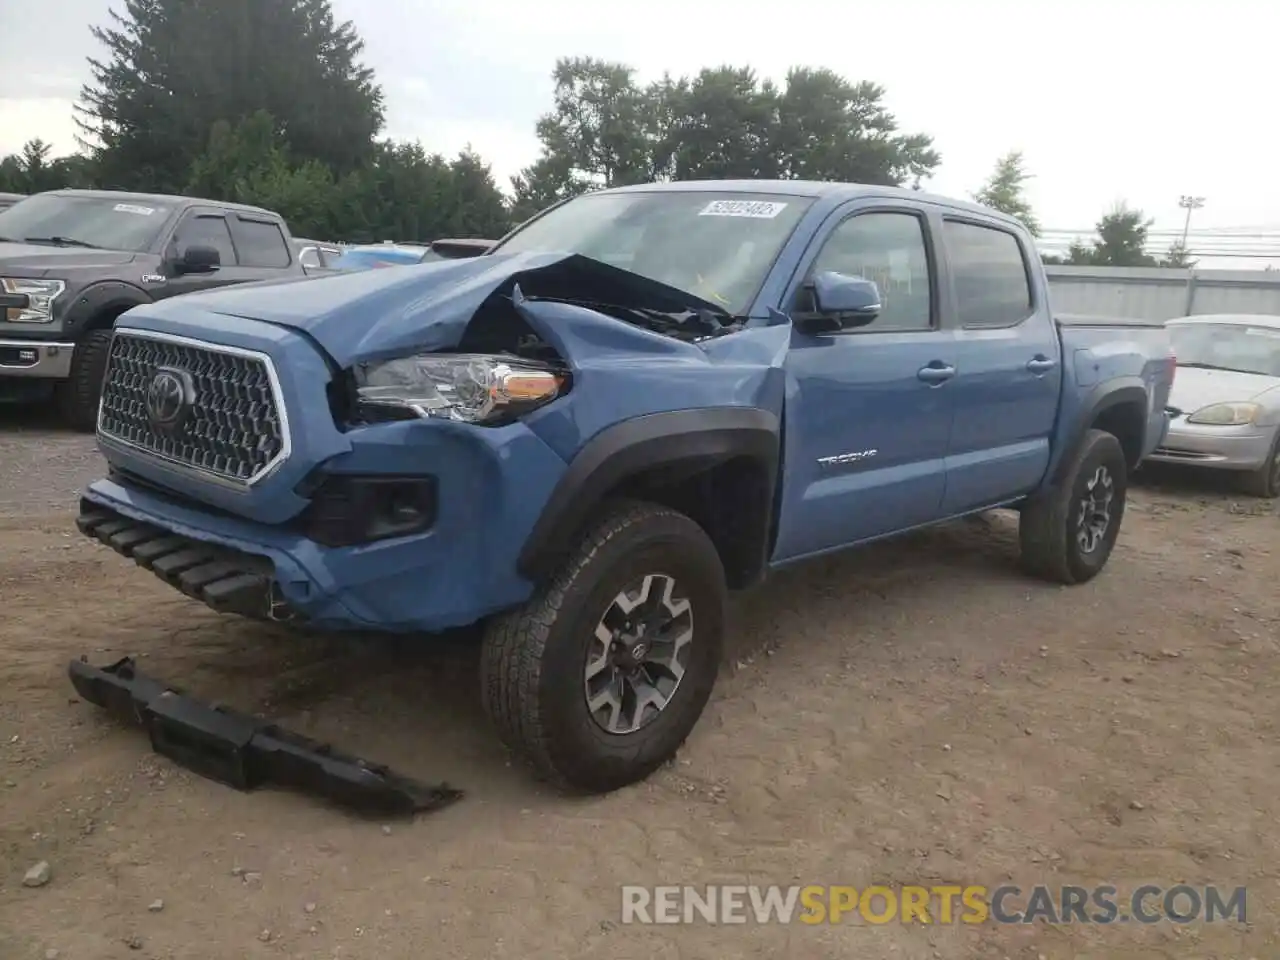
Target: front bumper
1224	448
229	581
36	359
421	583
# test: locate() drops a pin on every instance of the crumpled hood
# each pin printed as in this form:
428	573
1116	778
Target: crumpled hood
375	314
37	258
1194	388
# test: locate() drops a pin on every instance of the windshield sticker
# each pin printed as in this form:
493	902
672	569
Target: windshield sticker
134	208
1262	332
753	209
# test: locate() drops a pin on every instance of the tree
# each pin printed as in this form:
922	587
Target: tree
720	125
248	164
831	129
403	193
1178	257
1121	241
175	68
607	130
1005	191
33	170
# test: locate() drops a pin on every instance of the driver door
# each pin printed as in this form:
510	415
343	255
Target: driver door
204	227
868	410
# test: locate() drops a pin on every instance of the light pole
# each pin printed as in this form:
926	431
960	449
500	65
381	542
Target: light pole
1188	203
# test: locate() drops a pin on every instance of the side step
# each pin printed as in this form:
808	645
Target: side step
245	753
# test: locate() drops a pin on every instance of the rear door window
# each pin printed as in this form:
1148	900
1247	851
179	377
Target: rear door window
260	243
989	270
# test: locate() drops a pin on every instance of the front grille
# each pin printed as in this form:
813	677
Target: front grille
229	422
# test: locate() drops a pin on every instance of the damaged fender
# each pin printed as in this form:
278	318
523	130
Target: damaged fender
657	443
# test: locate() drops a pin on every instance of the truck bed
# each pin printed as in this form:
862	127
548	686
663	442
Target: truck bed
1110	353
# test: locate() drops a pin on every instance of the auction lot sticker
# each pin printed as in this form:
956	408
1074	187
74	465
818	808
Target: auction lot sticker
754	209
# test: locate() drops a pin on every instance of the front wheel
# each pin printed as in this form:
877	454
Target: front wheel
602	675
1265	481
1068	532
78	396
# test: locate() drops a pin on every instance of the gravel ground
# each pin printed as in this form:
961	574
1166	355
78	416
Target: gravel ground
43	467
917	712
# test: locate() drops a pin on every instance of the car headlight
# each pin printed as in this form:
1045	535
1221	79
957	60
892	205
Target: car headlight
472	388
29	301
1226	414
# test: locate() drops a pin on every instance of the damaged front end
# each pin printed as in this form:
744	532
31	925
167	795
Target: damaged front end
418	419
519	347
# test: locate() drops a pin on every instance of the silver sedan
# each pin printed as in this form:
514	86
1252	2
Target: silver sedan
1226	398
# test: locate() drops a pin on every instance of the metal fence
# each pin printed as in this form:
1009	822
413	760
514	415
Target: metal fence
1157	293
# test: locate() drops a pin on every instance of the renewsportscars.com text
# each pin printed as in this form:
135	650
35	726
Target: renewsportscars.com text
972	904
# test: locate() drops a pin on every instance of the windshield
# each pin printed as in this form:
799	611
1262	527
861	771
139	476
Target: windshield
103	222
717	246
1228	346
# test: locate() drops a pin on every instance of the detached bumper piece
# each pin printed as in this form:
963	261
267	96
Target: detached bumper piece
243	752
227	580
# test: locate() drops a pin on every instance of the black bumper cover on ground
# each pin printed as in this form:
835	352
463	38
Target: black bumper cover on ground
243	752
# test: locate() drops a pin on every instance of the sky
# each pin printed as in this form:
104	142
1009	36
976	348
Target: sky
1126	100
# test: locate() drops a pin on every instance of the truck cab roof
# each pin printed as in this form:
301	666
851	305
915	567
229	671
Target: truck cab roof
163	199
835	193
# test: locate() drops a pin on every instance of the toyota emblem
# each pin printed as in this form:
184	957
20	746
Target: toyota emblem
169	398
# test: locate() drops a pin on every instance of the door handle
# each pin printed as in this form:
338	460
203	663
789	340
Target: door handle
936	373
1041	364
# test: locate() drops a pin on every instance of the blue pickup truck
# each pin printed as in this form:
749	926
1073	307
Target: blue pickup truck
638	401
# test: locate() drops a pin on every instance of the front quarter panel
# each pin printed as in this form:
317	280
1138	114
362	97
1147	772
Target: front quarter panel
103	296
621	372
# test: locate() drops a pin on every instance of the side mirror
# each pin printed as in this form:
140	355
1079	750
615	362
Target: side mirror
199	259
841	302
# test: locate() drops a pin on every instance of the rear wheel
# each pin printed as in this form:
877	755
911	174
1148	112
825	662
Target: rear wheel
601	676
1067	533
1265	481
78	396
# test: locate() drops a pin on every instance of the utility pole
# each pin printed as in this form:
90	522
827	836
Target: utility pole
1188	203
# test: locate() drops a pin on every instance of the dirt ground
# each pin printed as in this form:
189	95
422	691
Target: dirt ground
917	712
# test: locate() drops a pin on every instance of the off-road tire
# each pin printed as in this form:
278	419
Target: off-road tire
78	396
1047	529
533	659
1265	481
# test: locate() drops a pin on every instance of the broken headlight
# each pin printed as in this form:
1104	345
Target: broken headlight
472	388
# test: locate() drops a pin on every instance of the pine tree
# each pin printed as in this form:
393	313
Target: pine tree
1004	191
175	68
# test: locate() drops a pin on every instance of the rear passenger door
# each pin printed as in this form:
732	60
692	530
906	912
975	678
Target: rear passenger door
1009	371
263	252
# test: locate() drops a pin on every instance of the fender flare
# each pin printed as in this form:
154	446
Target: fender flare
1101	398
99	298
683	441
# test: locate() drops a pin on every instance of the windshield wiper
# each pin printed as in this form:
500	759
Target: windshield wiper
63	242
